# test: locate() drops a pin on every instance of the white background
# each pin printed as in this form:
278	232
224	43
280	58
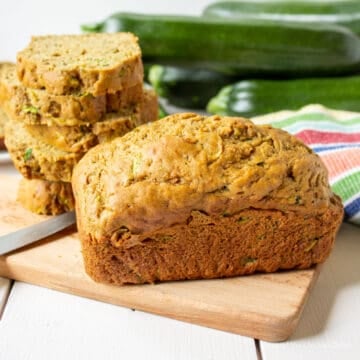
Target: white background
19	19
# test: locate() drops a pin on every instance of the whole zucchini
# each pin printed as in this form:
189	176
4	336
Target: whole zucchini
345	12
243	48
187	87
256	97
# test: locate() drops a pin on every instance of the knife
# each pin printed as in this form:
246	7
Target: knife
30	234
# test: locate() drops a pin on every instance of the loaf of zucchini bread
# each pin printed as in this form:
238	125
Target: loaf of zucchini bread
192	197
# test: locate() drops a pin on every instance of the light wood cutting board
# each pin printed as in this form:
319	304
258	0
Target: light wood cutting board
266	307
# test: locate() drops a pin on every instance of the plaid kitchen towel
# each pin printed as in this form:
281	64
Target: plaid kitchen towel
335	136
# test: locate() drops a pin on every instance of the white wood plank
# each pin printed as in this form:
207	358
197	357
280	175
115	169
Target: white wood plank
8	169
53	325
329	327
4	291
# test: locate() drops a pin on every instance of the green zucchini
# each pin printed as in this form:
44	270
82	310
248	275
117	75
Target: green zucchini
345	13
187	87
242	48
162	112
256	97
147	68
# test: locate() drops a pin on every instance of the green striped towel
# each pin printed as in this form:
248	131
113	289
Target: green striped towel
335	136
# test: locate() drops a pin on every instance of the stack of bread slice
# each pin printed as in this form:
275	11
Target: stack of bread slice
66	94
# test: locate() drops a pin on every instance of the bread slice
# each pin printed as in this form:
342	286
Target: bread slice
115	126
149	107
35	158
192	197
45	197
90	63
82	138
38	160
38	107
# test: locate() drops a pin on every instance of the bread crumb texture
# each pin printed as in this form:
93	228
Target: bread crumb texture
190	197
87	63
38	107
51	152
35	159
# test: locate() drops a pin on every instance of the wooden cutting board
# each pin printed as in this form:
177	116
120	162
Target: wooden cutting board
266	307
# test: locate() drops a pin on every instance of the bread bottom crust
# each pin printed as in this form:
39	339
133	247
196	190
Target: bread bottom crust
206	247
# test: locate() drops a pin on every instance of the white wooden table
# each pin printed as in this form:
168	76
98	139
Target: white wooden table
37	323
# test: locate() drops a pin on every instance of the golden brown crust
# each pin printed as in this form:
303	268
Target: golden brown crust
38	107
45	197
87	63
186	161
206	247
152	180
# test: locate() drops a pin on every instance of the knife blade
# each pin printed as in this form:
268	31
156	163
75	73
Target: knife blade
30	234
